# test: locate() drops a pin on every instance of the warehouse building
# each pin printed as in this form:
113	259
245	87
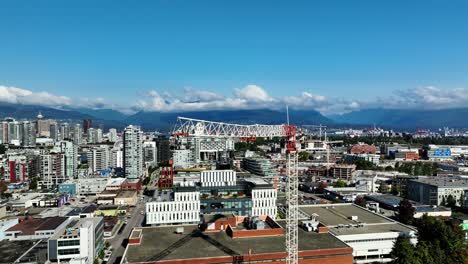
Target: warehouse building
370	235
237	244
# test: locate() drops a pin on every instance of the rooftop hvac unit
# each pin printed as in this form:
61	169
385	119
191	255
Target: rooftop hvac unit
179	230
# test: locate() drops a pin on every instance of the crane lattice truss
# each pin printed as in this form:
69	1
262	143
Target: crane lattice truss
202	128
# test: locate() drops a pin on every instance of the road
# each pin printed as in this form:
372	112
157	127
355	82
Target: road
117	242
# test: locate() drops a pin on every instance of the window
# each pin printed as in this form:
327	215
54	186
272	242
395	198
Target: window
70	251
65	243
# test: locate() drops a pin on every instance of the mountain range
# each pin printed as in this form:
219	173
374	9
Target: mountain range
409	119
162	121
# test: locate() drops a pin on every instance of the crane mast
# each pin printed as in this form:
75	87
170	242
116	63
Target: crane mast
202	128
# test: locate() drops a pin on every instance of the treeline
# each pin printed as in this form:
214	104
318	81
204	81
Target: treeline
407	139
439	242
417	168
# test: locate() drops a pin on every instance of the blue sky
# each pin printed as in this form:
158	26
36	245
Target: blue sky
155	54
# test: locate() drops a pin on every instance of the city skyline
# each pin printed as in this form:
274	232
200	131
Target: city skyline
173	56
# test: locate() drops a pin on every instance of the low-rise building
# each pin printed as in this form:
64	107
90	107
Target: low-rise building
230	241
217	192
371	235
36	228
258	166
436	191
129	198
91	185
81	239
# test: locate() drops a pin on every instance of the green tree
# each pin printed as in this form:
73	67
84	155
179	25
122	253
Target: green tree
146	180
33	183
339	184
394	190
405	211
403	251
303	156
2	149
383	188
451	202
364	165
443	202
423	254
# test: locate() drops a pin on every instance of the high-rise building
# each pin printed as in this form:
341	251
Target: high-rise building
77	134
43	126
28	131
70	151
91	136
64	131
149	152
98	135
99	158
4	132
112	135
117	157
163	149
54	131
86	125
133	152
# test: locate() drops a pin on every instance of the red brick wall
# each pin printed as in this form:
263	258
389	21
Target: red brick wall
257	233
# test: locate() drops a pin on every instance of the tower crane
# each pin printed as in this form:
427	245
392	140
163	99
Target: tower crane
202	128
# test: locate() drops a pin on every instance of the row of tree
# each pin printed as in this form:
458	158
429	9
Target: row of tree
417	168
439	242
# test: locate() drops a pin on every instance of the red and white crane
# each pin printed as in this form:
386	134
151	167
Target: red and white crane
202	128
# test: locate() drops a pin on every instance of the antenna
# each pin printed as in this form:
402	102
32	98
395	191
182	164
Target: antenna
287	114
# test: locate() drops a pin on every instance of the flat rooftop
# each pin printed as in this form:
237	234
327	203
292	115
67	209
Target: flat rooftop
338	218
30	226
12	250
126	194
196	244
442	182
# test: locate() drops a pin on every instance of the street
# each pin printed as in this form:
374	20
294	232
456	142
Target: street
118	241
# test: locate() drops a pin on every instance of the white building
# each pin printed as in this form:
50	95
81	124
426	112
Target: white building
112	136
218	192
70	151
91	185
181	208
82	239
183	158
99	158
264	202
149	152
218	178
371	235
133	152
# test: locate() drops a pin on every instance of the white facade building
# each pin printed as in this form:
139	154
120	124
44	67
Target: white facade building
218	178
183	158
82	240
264	202
133	152
183	208
91	185
112	136
99	158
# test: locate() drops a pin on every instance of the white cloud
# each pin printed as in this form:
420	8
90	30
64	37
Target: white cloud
10	94
249	97
253	93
